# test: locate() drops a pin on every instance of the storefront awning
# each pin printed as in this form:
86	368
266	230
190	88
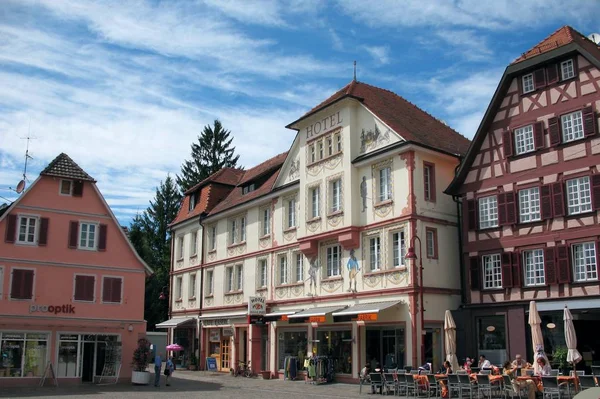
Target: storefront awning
174	322
362	308
283	313
545	306
315	312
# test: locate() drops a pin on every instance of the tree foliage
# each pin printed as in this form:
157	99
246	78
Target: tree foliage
211	153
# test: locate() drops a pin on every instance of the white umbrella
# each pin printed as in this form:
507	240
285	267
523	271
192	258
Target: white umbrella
450	340
536	335
573	355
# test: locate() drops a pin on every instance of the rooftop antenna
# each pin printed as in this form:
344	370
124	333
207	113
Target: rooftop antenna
595	37
354	79
22	184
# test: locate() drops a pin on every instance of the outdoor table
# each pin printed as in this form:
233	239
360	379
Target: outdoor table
569	379
493	378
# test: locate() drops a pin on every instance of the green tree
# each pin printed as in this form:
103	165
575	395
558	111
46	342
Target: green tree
211	153
150	236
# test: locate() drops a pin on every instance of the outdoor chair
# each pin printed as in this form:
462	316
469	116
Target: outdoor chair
376	382
402	384
461	372
586	382
554	372
483	384
596	371
580	372
407	369
414	371
434	388
486	372
454	384
410	385
390	383
475	370
509	388
467	386
551	388
421	388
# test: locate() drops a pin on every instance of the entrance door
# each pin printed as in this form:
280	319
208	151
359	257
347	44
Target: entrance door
264	349
433	347
87	362
225	353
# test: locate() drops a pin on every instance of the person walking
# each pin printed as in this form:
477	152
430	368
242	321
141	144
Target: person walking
169	368
157	367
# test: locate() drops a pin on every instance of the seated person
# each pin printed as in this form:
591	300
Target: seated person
425	367
484	363
510	371
467	365
544	367
520	363
447	368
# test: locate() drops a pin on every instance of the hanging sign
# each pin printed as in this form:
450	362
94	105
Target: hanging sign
228	331
257	306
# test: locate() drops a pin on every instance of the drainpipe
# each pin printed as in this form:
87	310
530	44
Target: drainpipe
201	297
463	286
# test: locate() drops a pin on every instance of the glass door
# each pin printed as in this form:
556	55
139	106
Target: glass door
225	347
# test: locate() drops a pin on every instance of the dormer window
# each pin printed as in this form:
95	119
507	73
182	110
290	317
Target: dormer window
249	188
567	71
192	202
528	85
66	187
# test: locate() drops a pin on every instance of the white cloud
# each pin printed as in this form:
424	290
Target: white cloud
379	53
470	44
336	41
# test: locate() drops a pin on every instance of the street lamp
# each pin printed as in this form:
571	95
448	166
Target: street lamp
412	256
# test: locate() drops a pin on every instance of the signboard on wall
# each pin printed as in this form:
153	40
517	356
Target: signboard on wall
257	306
228	331
214	335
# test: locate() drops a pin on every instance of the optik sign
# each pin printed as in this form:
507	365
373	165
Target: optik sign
257	306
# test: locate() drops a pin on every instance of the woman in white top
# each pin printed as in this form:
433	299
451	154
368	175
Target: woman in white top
545	369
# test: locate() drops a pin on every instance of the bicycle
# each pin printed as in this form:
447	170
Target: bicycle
243	369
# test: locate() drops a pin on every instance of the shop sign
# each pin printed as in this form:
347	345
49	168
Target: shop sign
257	305
69	337
316	319
211	364
56	309
214	335
366	317
216	322
13	336
228	331
284	317
323	125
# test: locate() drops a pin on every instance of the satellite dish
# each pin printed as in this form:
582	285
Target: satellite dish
595	37
20	187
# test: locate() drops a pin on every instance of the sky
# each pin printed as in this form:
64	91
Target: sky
125	87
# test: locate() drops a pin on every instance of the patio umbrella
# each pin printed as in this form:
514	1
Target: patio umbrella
450	340
536	336
573	355
174	347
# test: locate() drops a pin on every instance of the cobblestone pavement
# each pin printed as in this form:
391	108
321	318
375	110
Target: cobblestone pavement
196	384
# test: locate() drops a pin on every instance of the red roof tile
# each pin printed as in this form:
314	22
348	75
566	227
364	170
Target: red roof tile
559	38
228	176
405	118
263	168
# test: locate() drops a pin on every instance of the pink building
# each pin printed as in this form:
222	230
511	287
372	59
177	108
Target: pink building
71	284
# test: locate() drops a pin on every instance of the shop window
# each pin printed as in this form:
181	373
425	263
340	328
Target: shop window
112	289
23	354
67	355
292	343
336	344
491	333
385	347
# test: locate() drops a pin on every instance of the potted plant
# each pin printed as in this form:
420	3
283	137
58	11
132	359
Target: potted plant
142	356
559	359
193	362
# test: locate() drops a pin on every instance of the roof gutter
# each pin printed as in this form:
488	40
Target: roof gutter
399	146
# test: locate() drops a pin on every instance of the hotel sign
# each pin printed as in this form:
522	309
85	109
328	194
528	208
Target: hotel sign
257	306
324	125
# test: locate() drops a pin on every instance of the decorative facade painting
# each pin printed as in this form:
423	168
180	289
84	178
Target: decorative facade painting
312	275
372	139
353	269
294	169
363	193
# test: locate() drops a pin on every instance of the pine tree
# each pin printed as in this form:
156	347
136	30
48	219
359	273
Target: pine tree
149	234
211	153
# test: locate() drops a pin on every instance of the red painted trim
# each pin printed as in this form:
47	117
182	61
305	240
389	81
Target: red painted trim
413	319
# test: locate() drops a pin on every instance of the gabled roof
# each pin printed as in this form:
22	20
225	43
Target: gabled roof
236	197
561	43
227	176
64	166
405	118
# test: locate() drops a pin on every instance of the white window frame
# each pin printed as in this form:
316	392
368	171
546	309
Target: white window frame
488	212
179	248
233	232
263	273
36	229
192	202
338	142
585	266
178	288
122	289
243	229
567	69
336	195
430	241
572	126
283	269
528	83
96	233
194	243
299	272
266	221
320	149
210	278
312	153
193	281
533	267
229	279
75	287
374	253
529	205
32	288
579	195
60	187
333	261
398	248
492	271
329	145
524	141
385	184
213	238
291	213
315	201
239	277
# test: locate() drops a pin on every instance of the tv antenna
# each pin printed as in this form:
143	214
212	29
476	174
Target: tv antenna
23	183
595	37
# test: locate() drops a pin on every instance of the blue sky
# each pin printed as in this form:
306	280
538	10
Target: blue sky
124	87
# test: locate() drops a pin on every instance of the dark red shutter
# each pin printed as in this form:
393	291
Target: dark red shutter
563	265
73	232
501	209
27	284
516	269
589	121
102	238
43	237
77	188
79	287
558	199
596	191
116	291
11	228
472	214
546	202
552	71
475	273
550	266
538	135
89	288
107	290
539	77
510	208
16	287
554	131
507	279
507	142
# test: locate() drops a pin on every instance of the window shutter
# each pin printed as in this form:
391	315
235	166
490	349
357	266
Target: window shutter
563	264
73	231
546	202
502	209
102	238
11	228
43	237
507	278
589	121
558	199
507	142
116	290
79	287
475	273
77	188
520	85
510	206
472	214
89	288
27	284
538	135
539	77
550	265
596	191
552	71
516	269
107	289
554	131
16	288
